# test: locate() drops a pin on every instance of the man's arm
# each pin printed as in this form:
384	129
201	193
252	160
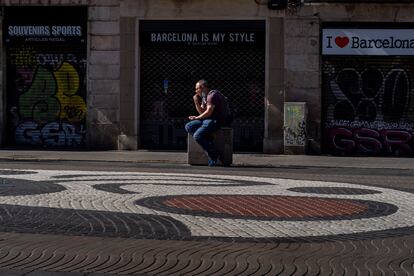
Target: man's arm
207	113
199	108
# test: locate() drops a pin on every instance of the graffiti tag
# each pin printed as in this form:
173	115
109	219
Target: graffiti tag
370	141
51	134
369	110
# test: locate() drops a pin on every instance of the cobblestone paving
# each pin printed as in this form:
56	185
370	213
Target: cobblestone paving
190	224
84	255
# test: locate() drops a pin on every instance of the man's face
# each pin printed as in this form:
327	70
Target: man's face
198	89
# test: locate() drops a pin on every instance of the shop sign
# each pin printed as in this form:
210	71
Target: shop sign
45	25
202	33
44	33
368	42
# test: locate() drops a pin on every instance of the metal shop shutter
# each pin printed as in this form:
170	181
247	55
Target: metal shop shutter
368	105
46	76
168	76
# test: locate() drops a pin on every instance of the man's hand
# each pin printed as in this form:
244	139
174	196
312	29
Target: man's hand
197	102
196	98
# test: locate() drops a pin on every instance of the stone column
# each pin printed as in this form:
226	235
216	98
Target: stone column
2	91
303	80
274	97
103	118
129	103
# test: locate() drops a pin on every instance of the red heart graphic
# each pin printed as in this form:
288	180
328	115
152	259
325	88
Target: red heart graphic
341	41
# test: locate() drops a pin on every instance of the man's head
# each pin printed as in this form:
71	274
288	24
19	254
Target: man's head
202	87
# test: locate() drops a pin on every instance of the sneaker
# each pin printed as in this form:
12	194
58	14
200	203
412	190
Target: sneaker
212	162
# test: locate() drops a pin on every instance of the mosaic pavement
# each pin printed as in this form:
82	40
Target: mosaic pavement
167	206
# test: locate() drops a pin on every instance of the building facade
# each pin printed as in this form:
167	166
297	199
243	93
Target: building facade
314	77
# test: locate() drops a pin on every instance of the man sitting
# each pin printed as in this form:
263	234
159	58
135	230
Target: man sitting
211	106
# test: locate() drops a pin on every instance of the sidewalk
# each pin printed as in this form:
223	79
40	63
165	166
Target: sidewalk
163	220
239	159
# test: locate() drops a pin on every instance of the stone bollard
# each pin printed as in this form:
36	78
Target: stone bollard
223	141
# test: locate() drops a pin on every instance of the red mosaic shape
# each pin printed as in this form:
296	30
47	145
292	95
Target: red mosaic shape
280	207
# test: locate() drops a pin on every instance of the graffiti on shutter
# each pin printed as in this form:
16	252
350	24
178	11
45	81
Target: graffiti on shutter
46	87
368	106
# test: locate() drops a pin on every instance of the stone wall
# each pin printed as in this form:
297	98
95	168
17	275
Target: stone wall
275	87
104	74
342	12
200	9
302	65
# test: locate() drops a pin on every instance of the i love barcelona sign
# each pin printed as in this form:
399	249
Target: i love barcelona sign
370	42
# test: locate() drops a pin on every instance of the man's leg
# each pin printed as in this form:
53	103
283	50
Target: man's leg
192	126
203	137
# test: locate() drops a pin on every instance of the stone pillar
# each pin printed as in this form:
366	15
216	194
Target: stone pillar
2	91
129	103
273	135
103	116
303	79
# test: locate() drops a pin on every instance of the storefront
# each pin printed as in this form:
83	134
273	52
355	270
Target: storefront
121	75
46	53
367	90
175	54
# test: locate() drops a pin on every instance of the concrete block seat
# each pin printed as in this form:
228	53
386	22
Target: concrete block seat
223	141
